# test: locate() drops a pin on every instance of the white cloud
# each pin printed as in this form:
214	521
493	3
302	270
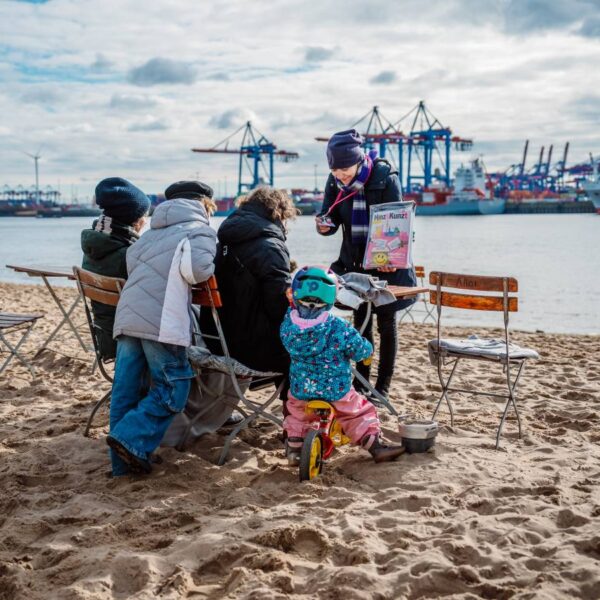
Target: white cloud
131	102
318	53
159	71
131	89
149	123
233	118
384	78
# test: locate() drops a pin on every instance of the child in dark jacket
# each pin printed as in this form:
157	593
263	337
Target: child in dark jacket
321	347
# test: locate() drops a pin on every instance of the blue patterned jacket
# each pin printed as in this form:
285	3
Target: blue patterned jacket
321	350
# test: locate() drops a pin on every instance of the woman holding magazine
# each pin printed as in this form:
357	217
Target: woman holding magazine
356	182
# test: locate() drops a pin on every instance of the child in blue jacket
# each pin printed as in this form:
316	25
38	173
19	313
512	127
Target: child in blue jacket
321	347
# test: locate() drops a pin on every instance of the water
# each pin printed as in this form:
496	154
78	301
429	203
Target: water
556	259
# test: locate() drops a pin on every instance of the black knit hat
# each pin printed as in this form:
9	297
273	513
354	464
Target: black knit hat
344	149
188	189
121	200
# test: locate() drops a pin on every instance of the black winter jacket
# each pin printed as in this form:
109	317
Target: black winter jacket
253	272
104	254
383	186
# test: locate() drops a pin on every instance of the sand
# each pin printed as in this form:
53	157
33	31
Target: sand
464	521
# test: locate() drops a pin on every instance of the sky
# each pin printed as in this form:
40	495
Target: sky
127	87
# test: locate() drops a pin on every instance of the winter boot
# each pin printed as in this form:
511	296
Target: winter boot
293	447
383	386
380	451
136	465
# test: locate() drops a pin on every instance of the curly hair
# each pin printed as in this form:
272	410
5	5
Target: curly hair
209	205
279	205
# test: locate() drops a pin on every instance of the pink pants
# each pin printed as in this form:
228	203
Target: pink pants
354	412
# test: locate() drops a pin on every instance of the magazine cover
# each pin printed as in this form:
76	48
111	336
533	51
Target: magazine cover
389	241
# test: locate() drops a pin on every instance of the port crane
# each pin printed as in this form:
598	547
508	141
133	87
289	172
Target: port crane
254	151
417	150
542	177
428	138
378	134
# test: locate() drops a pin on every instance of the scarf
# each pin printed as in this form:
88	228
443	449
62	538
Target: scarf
109	226
356	190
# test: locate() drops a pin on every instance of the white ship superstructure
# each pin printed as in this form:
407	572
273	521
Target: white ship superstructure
592	186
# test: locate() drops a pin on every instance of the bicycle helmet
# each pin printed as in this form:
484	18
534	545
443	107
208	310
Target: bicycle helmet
315	285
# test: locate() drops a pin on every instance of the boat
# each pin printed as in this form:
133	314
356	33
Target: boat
225	206
308	203
591	186
466	197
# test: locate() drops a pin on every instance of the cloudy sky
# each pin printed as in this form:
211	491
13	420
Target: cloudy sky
128	87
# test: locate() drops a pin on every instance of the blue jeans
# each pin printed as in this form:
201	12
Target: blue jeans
139	424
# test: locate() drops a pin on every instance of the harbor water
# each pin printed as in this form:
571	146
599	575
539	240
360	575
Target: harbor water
556	259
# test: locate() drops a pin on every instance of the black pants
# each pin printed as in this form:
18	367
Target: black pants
388	341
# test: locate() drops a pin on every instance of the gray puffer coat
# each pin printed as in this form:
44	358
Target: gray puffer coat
178	251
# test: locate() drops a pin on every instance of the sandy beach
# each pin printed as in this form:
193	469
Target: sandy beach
464	521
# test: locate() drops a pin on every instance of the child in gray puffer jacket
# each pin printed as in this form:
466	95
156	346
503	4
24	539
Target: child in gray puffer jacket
153	323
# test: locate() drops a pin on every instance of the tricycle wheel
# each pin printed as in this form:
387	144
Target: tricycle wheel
311	456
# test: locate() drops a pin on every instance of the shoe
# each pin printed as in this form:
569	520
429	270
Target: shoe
381	452
293	453
383	386
136	465
234	419
156	459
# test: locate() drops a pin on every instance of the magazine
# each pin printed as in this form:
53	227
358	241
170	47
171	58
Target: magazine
389	241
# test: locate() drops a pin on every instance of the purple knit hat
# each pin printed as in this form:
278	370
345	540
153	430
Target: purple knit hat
344	149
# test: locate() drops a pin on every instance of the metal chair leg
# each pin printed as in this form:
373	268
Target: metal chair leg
407	313
98	404
13	351
429	312
445	386
511	399
243	424
380	398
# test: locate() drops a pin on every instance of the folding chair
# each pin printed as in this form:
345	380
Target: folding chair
207	296
448	352
429	309
105	290
14	323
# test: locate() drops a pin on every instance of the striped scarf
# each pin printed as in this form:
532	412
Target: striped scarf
360	212
109	226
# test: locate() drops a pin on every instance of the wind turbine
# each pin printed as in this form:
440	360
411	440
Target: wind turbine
36	157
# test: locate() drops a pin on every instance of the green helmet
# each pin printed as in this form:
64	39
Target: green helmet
314	282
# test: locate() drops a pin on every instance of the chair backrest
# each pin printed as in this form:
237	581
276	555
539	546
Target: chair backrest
474	283
207	294
100	288
420	272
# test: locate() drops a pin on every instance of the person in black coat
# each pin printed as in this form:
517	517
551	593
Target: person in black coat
253	273
356	183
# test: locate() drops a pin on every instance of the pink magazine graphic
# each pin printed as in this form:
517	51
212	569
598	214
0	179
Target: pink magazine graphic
389	241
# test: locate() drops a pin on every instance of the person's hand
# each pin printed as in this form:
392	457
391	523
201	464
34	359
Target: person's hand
387	269
321	227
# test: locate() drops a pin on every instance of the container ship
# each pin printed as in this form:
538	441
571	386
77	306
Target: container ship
591	186
467	196
22	202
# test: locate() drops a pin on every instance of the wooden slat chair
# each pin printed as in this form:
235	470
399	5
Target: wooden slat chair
207	296
106	290
448	352
11	323
429	309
